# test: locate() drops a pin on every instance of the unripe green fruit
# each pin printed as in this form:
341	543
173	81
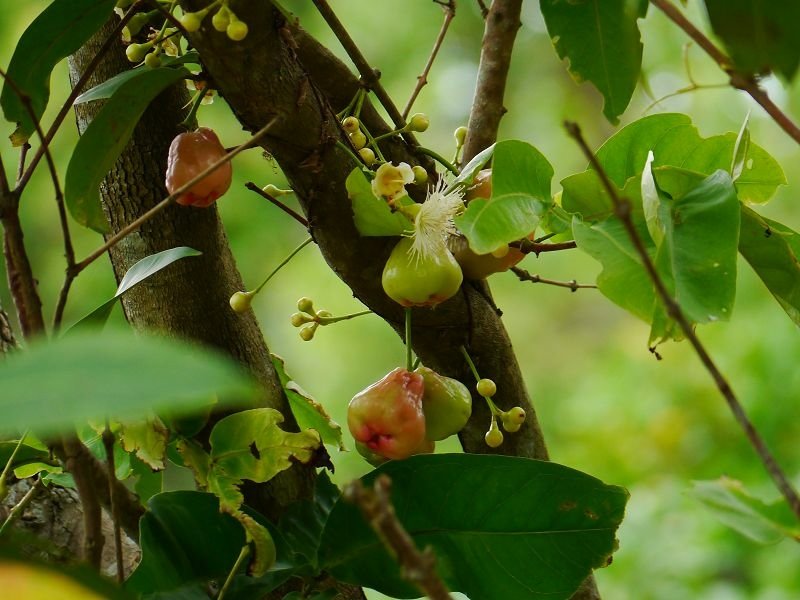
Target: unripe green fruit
237	30
298	319
486	388
240	301
350	124
221	19
387	416
447	405
423	281
368	156
152	60
493	437
358	139
419	122
307	332
460	134
305	305
420	174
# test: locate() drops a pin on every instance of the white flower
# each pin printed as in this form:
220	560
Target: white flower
434	221
390	181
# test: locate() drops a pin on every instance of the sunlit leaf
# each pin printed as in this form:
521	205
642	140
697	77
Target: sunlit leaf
372	216
471	169
148	438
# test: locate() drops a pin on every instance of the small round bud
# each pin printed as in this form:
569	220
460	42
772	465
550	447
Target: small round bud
136	52
237	30
501	252
305	305
419	122
358	139
221	19
324	314
420	174
486	388
350	124
240	301
460	134
299	319
493	437
367	155
513	419
152	60
307	332
191	21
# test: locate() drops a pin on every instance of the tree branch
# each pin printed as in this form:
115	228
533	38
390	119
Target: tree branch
502	24
738	79
573	285
297	217
622	209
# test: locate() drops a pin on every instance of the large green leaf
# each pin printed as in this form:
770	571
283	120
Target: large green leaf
500	526
772	250
148	266
114	374
372	216
105	139
760	35
56	33
601	40
521	178
761	521
25	455
308	413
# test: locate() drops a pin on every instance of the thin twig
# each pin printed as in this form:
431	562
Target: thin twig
484	10
739	80
108	445
16	512
76	91
528	247
370	76
418	568
502	24
622	209
80	266
572	285
289	211
23	154
449	9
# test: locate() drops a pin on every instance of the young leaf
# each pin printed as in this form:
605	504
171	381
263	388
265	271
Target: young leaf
372	216
760	35
601	40
650	202
106	137
763	522
308	413
148	266
113	374
471	169
740	150
56	33
528	516
773	250
521	178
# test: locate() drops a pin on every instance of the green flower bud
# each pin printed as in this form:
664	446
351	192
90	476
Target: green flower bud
367	155
307	332
350	124
419	122
191	21
152	60
460	134
221	19
240	301
486	388
305	305
298	319
358	139
420	174
493	437
237	30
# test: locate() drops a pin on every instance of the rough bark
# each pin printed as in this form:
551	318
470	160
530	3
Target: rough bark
189	299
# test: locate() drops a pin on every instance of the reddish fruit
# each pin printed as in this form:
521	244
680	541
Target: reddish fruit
479	266
189	155
387	417
447	404
420	281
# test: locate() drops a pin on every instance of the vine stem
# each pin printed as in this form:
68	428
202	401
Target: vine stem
622	209
135	224
738	80
409	354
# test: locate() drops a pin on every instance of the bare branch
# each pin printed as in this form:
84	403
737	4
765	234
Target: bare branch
528	247
418	568
572	285
292	213
502	23
449	9
622	209
738	79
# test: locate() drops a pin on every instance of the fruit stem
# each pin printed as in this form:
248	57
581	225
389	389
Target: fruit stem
331	320
282	264
350	105
356	159
371	141
188	122
438	158
409	357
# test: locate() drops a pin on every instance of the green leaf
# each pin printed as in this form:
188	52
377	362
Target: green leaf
31	469
110	86
56	33
760	35
535	529
148	439
651	201
250	445
148	266
104	140
184	538
601	40
308	413
763	522
471	169
372	216
740	150
141	374
521	177
772	250
25	455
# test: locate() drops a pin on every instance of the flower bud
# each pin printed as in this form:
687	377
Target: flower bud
299	319
305	305
486	388
237	30
240	301
419	122
307	332
460	134
221	19
368	156
351	124
358	139
420	174
493	437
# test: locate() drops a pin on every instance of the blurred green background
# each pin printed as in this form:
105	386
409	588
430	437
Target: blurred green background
606	405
